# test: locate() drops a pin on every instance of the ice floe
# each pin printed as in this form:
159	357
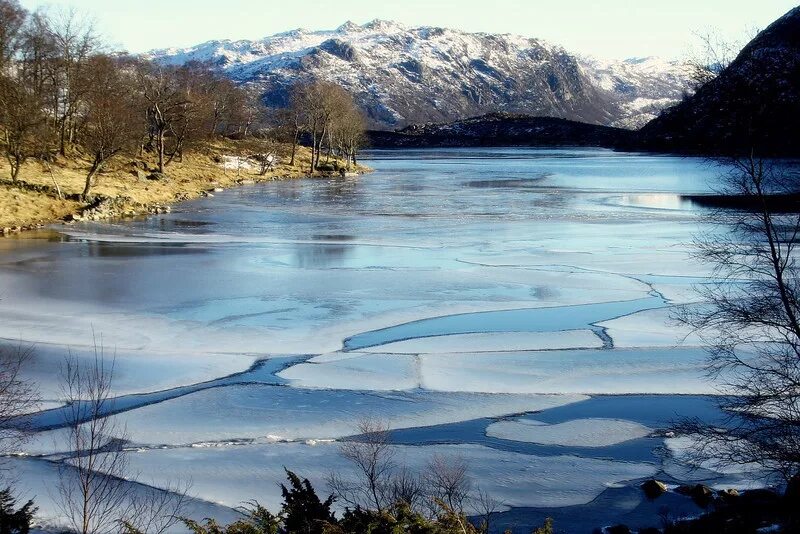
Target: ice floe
622	371
575	433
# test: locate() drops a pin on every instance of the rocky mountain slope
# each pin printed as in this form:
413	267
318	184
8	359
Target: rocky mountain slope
404	75
502	129
754	104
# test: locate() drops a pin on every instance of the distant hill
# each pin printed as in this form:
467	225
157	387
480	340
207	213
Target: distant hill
401	75
503	129
753	104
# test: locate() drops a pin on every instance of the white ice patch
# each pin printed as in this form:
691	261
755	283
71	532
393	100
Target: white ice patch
651	328
376	372
132	371
575	433
618	371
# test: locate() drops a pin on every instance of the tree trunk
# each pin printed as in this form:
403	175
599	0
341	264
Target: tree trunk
294	145
160	143
313	149
62	144
90	177
55	182
15	166
319	147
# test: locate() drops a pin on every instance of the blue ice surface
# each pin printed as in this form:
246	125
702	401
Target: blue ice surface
525	320
658	412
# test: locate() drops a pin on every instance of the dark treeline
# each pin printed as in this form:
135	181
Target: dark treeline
62	92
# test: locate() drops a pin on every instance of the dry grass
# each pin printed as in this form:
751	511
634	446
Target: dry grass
197	173
23	208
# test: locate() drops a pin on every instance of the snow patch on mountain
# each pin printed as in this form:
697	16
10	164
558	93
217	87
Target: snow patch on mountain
402	75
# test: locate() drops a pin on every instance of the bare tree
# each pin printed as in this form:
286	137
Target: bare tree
292	120
447	481
156	510
749	322
328	114
167	105
17	395
12	21
372	455
94	496
713	54
349	132
111	122
408	488
74	40
22	124
485	506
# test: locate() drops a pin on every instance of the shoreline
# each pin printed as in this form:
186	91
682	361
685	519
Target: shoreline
48	195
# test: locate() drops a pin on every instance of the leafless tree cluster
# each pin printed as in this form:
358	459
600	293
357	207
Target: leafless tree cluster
713	54
750	321
329	116
444	486
97	492
62	92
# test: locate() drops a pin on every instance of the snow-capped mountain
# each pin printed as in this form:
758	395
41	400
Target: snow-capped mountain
403	75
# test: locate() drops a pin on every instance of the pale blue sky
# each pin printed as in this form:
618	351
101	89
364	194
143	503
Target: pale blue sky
606	28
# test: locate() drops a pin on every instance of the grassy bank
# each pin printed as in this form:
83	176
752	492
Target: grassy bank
123	189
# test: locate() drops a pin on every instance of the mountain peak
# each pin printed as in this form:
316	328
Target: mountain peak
348	27
379	25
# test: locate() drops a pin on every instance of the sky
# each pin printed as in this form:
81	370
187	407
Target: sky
603	28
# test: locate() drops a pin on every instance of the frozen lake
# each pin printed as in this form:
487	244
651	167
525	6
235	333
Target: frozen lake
509	306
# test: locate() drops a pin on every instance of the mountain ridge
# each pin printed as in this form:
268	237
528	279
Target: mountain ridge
752	106
502	129
403	75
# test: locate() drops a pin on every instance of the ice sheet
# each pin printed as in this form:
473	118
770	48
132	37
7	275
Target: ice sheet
233	474
575	433
273	412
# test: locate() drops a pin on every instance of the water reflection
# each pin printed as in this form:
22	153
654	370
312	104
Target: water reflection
99	249
320	255
662	201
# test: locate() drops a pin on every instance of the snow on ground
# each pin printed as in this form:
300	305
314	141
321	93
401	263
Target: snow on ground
273	412
231	475
575	433
236	163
